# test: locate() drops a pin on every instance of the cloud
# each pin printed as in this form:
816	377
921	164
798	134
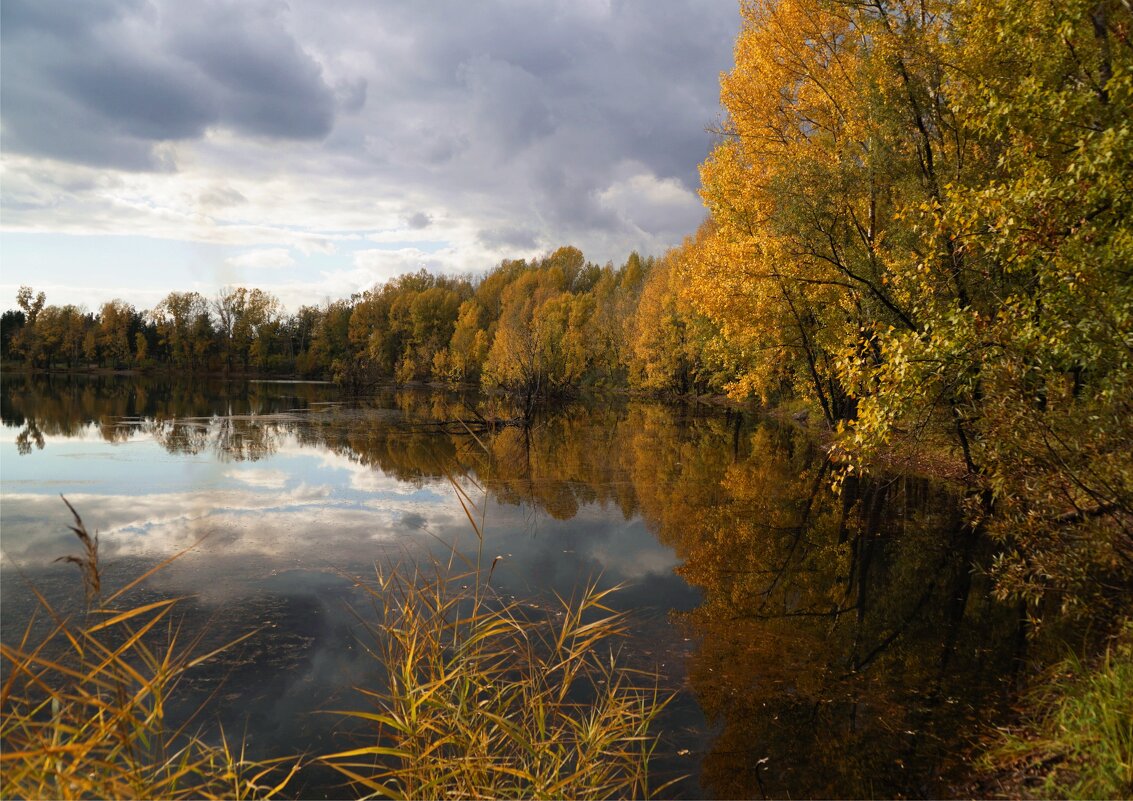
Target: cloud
110	92
265	84
259	477
652	204
489	130
374	265
508	108
509	237
269	525
266	259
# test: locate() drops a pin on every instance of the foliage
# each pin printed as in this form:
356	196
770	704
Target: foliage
540	328
920	223
480	701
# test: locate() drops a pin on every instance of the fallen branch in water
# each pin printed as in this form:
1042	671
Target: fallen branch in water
461	425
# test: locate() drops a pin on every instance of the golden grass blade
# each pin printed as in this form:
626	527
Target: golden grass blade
192	663
368	750
279	787
367	782
132	613
115	655
61	622
44	751
24	661
385	720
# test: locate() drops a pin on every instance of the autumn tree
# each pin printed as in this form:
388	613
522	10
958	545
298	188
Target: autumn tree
184	328
919	222
1032	345
27	341
330	338
468	347
117	324
523	354
65	329
668	342
245	323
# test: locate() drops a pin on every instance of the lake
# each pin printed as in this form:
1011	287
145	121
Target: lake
820	645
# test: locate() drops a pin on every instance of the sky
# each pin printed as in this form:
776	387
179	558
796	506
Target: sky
315	148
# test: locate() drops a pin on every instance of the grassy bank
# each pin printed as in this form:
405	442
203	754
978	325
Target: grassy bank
1074	737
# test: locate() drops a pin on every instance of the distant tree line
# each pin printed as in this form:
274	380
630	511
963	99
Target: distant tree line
538	328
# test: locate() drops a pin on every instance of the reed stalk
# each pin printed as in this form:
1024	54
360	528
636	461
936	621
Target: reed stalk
83	700
482	699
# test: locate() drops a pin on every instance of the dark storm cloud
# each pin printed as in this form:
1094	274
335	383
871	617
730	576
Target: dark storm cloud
509	238
542	106
267	85
102	83
526	125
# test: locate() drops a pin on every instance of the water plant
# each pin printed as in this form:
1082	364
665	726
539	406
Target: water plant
84	697
483	700
484	697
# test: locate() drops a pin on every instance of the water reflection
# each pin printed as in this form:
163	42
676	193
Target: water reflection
834	646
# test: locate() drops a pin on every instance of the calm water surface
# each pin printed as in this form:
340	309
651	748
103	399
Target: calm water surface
820	646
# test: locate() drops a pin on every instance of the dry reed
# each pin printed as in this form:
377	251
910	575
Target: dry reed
82	705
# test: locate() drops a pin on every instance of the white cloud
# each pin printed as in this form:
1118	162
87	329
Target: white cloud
469	132
264	259
308	522
259	477
660	207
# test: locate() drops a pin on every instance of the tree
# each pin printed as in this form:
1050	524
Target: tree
61	332
245	318
117	321
668	342
522	352
10	325
920	222
184	328
1034	352
330	340
27	341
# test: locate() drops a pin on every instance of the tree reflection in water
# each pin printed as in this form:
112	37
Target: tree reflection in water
843	643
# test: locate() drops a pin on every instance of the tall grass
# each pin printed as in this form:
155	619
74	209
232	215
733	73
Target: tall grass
1078	742
82	706
481	699
476	697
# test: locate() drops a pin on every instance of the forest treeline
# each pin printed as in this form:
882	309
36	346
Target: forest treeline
540	327
920	225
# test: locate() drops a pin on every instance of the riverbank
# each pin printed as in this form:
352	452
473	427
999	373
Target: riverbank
1071	735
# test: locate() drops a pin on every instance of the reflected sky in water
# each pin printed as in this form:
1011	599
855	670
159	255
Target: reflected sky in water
286	501
295	504
822	645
